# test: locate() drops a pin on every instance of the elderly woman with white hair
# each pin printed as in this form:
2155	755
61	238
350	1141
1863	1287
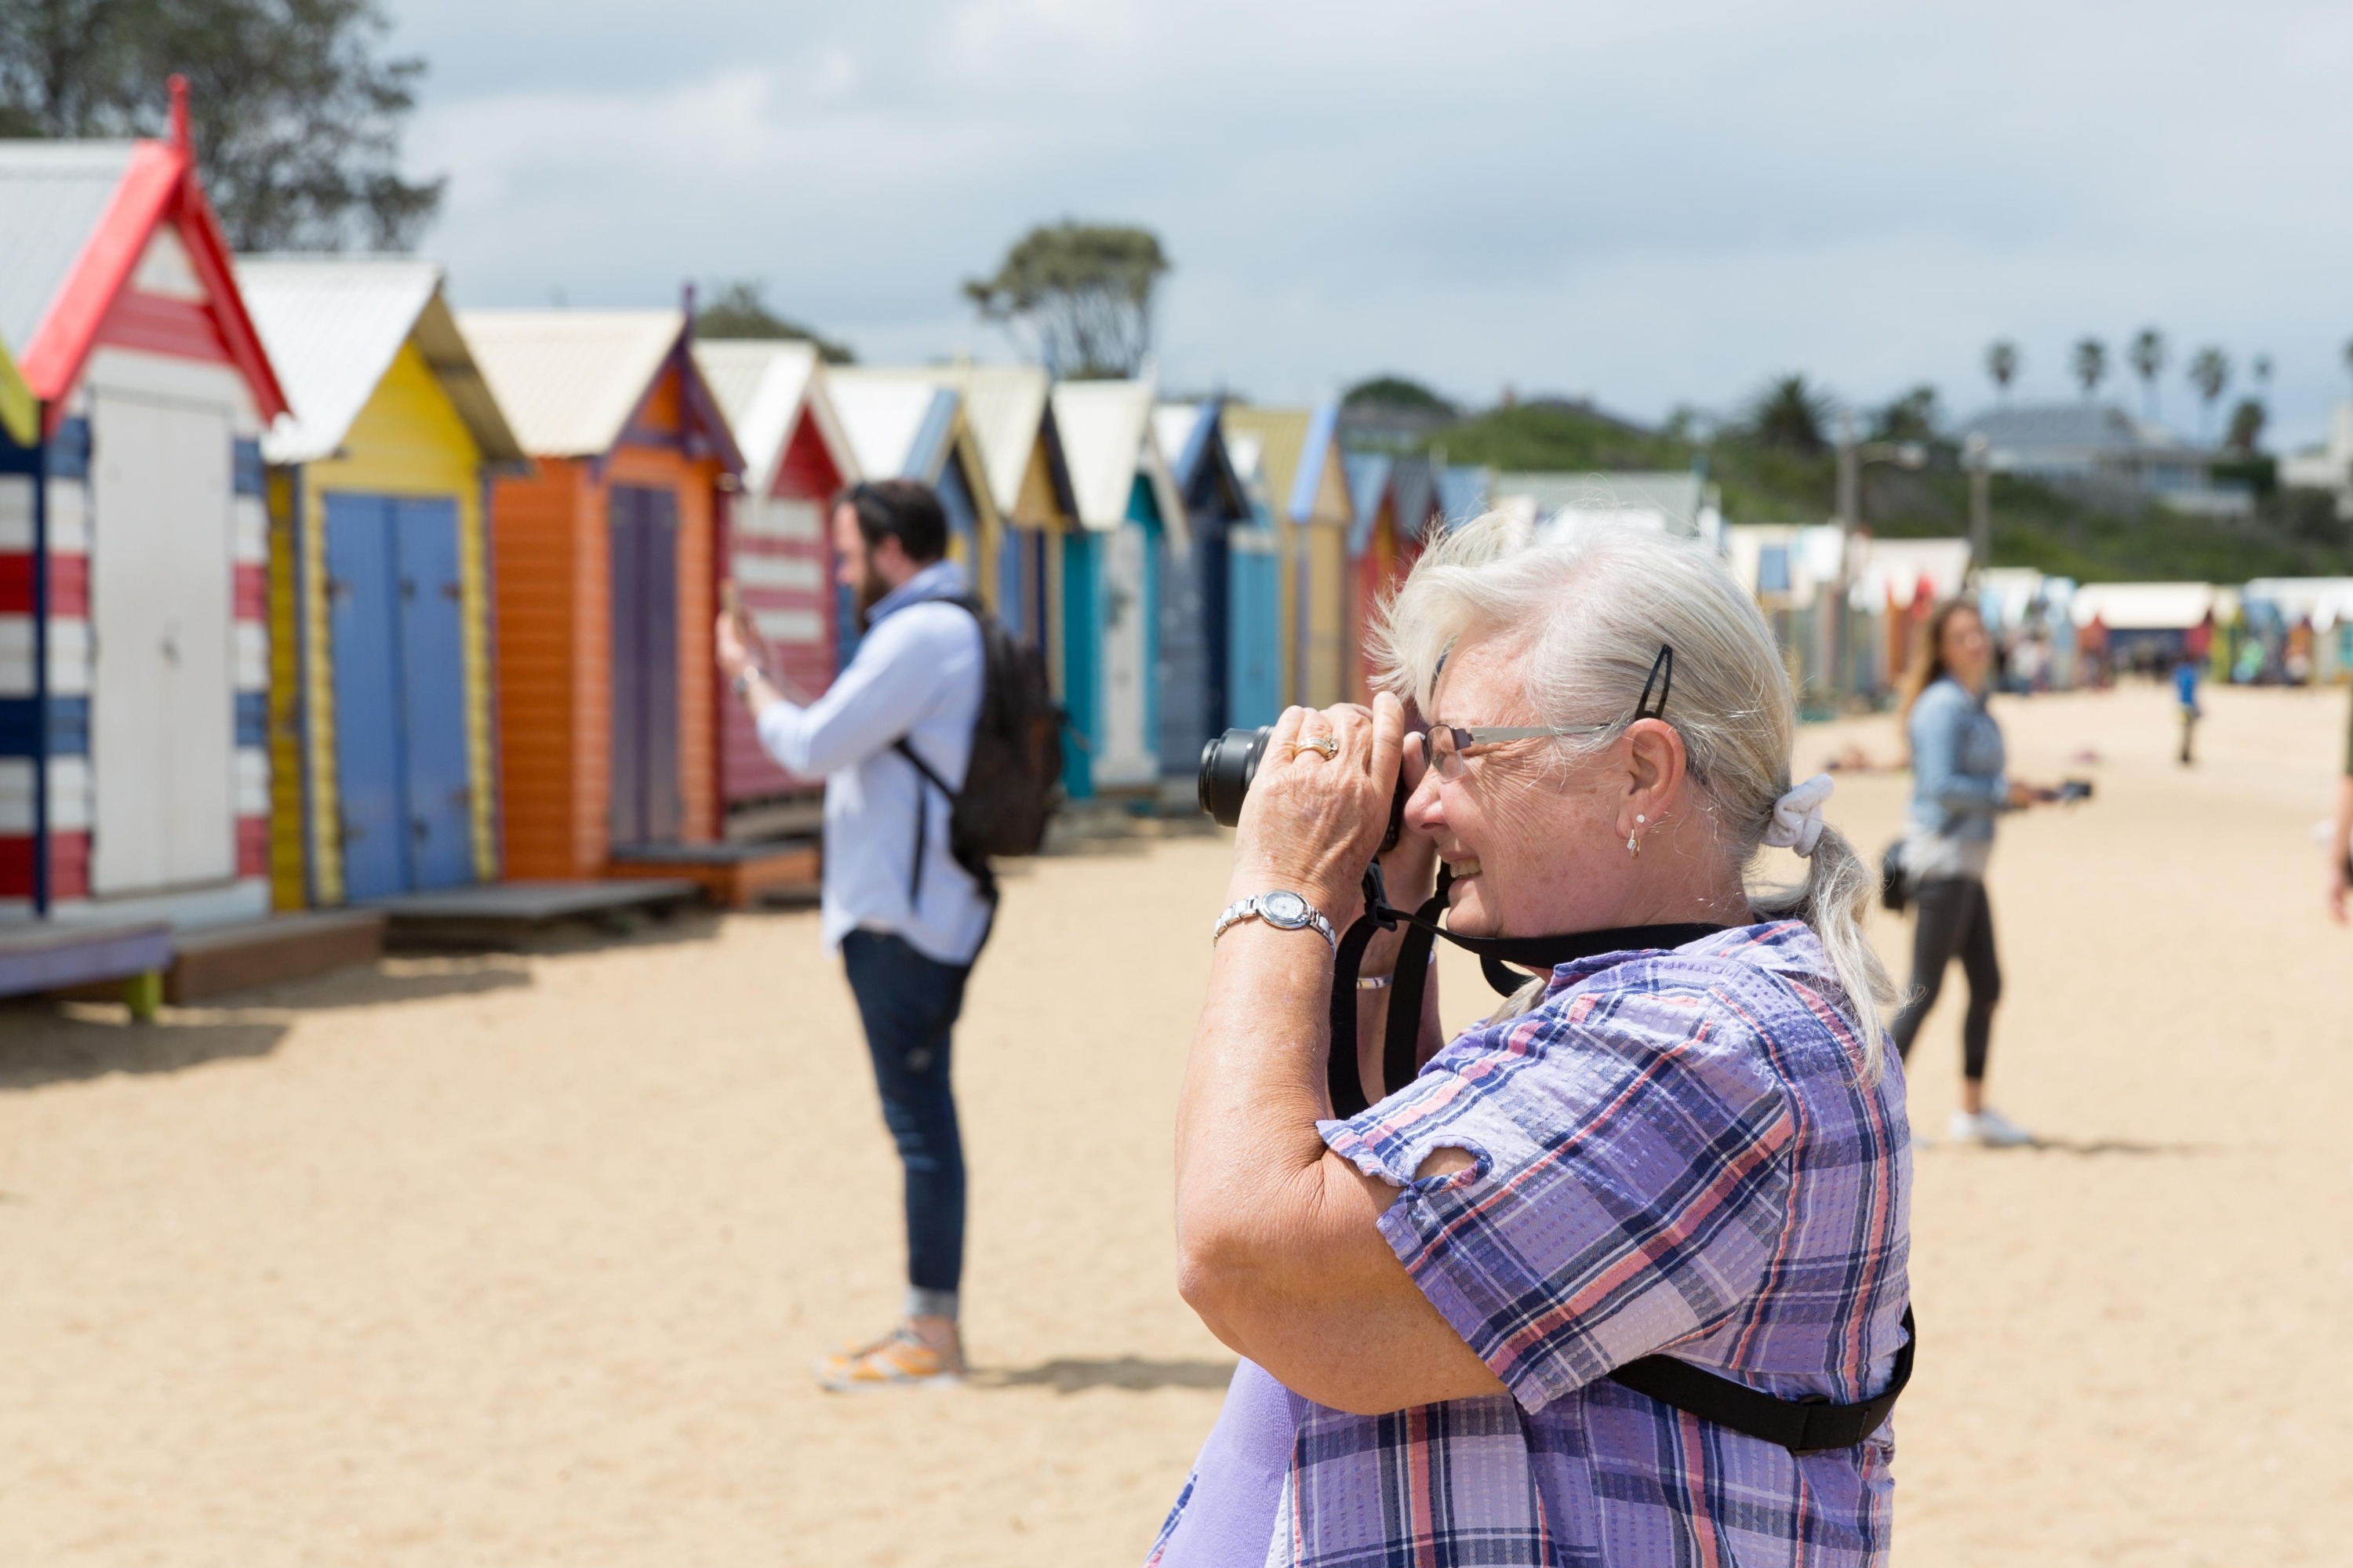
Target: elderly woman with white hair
1619	1275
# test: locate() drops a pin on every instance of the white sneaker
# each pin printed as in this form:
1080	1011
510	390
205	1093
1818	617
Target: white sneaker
1990	1127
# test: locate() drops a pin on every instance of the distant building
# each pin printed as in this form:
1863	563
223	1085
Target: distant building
2102	448
2327	467
1678	503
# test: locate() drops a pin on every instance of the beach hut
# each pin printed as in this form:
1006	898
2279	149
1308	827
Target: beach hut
1399	509
1222	638
779	554
1010	410
134	774
603	591
1306	493
1131	520
382	779
904	424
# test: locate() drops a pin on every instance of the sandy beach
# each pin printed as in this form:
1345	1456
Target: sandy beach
521	1259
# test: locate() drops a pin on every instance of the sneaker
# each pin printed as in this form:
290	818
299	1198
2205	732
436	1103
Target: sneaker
898	1359
1990	1127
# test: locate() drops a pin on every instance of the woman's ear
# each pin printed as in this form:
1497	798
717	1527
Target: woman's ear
1654	765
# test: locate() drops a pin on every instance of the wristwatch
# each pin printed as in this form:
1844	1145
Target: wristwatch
1284	910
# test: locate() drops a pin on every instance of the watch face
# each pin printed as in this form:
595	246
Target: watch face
1284	909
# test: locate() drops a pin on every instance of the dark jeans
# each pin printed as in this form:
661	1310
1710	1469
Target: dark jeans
1955	921
909	1004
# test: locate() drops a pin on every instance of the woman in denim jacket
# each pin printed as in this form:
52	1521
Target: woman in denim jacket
1961	783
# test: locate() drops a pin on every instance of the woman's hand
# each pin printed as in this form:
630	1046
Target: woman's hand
1311	823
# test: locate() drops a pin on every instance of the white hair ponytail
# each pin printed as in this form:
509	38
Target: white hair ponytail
1594	607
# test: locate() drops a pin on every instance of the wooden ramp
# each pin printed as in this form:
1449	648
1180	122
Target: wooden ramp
212	961
496	913
731	875
46	957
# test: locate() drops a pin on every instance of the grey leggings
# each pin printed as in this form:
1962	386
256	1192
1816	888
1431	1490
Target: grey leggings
1955	921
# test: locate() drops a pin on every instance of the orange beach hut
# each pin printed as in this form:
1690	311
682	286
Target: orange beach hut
603	587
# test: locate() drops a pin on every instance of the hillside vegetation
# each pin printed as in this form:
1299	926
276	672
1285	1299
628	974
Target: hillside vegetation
2294	534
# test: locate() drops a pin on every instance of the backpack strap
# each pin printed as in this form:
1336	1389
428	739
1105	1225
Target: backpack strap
1808	1425
971	606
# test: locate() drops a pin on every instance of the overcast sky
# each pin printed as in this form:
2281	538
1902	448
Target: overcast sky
1650	203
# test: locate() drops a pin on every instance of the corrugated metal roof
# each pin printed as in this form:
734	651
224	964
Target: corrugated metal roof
1675	496
887	414
333	325
1005	406
1183	435
1107	439
52	196
762	386
1368	485
569	380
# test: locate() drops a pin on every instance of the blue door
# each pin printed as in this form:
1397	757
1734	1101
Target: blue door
1081	661
395	621
364	627
642	525
440	786
1254	629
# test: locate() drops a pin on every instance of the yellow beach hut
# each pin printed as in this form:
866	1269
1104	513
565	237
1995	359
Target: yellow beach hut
383	775
1302	483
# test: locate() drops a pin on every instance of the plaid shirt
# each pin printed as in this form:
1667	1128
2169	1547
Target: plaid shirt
1673	1151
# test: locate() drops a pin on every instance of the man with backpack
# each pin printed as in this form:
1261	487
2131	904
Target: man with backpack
934	741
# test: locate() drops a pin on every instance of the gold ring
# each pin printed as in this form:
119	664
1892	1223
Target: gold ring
1326	746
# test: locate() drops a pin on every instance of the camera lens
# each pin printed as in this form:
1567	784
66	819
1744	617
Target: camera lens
1228	765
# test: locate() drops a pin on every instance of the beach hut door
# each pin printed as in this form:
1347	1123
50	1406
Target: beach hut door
1128	755
162	713
646	806
404	804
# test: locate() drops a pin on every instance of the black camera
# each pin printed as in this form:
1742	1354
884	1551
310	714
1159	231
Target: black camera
1228	764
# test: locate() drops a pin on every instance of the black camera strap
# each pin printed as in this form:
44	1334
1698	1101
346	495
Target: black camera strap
1402	1038
1801	1425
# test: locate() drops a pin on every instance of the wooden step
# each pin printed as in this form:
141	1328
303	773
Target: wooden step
214	960
731	875
499	913
50	956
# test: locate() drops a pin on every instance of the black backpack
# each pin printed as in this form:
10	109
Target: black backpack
1013	785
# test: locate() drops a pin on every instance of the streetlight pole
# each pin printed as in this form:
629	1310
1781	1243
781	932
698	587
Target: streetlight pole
1850	499
1977	453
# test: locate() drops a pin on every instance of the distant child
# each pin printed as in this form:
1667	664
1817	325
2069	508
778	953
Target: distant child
2185	687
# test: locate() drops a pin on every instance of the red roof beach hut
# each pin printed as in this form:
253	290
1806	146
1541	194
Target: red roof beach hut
134	774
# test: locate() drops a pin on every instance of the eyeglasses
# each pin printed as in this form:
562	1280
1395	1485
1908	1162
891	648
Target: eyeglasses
1448	742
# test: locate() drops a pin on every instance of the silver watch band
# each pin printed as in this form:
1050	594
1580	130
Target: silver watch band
1284	910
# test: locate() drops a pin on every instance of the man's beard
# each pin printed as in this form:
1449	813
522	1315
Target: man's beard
870	592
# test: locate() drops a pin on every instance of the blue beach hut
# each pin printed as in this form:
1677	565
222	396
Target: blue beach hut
1131	522
1221	661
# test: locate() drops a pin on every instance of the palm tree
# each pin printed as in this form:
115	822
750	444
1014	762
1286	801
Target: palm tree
1789	414
2148	356
2210	372
2001	364
2091	365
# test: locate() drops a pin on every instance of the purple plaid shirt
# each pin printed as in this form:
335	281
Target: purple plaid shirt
1675	1151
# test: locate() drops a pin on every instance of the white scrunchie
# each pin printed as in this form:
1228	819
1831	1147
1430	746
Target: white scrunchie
1797	822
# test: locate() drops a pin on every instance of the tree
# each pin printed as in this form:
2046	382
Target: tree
2001	364
2091	365
1397	392
2210	372
1911	418
737	310
2148	357
1789	414
2246	430
1083	294
296	118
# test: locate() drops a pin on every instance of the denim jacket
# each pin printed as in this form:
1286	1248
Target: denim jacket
1958	779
